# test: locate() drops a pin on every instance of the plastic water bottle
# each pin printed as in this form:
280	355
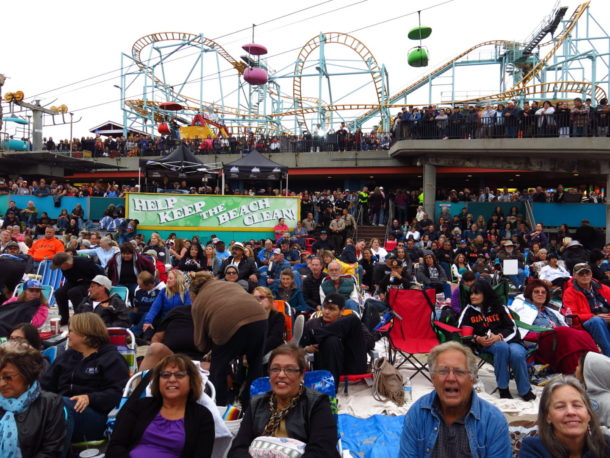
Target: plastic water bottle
569	316
527	271
408	389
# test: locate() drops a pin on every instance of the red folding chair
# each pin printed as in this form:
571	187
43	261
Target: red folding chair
411	333
390	245
309	243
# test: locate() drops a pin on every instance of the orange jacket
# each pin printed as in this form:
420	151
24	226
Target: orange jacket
577	302
46	248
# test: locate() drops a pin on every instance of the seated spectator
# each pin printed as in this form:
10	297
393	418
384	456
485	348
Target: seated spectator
90	376
104	252
18	251
397	278
276	266
339	342
554	275
567	424
573	253
596	257
482	268
124	267
508	251
287	291
300	234
496	333
173	295
25	332
589	301
312	282
463	290
178	250
156	243
29	215
431	274
538	236
280	228
171	422
290	254
459	267
221	252
193	260
453	420
264	256
78	272
323	243
561	346
32	292
379	253
33	421
299	416
592	371
343	285
276	321
110	308
46	247
232	275
246	268
143	298
367	263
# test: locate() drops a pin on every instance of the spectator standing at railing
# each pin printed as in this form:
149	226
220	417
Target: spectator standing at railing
562	117
580	117
545	121
455	124
512	117
602	113
488	118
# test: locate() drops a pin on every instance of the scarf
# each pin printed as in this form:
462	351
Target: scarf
277	415
9	446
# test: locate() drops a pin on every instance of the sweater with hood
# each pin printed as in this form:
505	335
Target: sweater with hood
596	372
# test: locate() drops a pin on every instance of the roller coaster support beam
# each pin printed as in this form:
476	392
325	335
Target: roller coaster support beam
37	112
429	178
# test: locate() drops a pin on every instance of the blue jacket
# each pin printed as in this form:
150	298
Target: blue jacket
296	301
486	427
532	447
163	305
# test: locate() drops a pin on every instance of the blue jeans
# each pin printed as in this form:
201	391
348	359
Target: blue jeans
519	279
598	329
352	305
506	356
89	425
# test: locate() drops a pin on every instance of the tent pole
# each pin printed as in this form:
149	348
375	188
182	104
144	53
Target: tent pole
286	183
222	190
139	179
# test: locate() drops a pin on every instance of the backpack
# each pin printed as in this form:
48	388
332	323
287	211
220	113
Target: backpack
387	382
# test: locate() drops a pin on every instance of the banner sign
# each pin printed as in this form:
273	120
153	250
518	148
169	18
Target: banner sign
189	211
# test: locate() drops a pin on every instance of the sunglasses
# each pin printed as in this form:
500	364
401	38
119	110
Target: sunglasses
167	374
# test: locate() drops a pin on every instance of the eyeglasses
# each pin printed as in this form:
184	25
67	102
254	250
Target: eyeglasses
539	291
8	378
458	372
584	273
167	374
231	273
289	371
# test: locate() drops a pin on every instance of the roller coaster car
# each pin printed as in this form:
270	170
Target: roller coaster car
418	57
420	33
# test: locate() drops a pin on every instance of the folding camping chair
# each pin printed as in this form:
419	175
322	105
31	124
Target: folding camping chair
51	277
411	332
125	342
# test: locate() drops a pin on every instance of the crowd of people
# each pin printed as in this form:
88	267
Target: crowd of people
533	119
221	301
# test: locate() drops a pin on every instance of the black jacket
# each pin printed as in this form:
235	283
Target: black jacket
136	415
101	375
310	421
311	290
82	271
497	319
246	268
276	325
42	427
113	311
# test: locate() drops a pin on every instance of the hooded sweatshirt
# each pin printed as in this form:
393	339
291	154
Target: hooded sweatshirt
597	380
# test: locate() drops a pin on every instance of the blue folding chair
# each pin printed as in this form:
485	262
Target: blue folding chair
51	277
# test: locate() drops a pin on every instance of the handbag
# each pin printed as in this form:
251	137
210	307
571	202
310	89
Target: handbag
387	382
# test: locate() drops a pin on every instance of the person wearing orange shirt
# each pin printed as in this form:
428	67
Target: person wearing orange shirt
46	247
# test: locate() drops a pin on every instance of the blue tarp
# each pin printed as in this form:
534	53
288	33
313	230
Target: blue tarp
374	437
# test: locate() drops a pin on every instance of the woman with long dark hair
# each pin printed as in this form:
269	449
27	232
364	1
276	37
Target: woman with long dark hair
495	333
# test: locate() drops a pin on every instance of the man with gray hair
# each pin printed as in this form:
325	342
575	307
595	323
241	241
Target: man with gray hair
452	420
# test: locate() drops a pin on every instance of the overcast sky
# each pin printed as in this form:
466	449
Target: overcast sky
50	44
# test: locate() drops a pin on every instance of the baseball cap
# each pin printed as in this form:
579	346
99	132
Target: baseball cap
151	253
395	263
581	267
215	240
277	251
30	284
12	243
102	280
323	232
335	299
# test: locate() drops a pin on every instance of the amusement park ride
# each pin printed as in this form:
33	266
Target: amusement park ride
187	85
568	65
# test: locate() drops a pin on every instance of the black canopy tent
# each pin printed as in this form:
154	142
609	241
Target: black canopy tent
255	166
180	163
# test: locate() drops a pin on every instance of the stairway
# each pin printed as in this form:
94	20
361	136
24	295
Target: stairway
370	232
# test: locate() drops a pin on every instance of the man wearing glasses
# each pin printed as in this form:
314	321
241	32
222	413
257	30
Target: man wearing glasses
452	420
589	300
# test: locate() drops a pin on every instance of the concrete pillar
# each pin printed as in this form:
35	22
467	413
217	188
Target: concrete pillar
37	130
608	208
429	189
